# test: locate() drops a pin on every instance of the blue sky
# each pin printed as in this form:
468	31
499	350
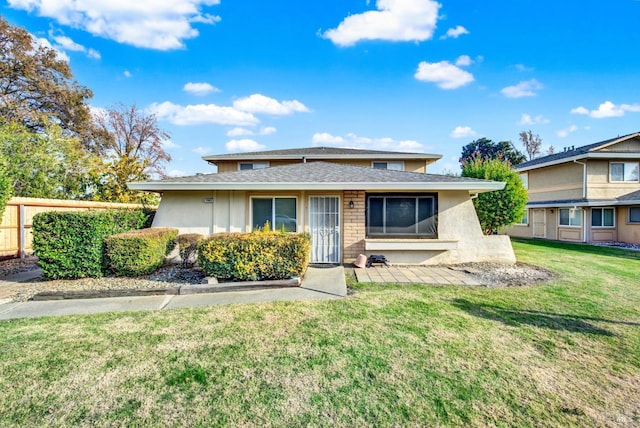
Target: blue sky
412	75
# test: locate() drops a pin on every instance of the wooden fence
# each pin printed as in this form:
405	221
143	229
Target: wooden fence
15	228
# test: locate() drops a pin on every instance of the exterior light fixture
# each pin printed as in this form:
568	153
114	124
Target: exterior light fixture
351	204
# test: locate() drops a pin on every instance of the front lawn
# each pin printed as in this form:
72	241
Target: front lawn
565	353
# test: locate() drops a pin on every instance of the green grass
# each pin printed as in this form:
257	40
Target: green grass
565	353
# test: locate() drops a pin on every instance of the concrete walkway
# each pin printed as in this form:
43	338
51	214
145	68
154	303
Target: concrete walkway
415	275
318	284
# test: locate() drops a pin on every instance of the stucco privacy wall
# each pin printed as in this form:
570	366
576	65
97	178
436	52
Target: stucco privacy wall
202	212
458	226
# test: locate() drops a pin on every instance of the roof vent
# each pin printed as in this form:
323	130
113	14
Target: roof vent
573	147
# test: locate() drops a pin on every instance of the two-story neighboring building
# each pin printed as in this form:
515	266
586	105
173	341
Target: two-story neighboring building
350	201
584	194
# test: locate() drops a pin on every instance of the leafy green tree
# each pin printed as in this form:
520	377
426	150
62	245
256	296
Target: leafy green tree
37	87
5	189
132	146
487	149
46	164
498	209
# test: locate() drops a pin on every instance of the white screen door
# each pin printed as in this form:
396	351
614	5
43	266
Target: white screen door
324	226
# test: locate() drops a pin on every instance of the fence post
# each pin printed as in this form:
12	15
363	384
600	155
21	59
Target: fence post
21	237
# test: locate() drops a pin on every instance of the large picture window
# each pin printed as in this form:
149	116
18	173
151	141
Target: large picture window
570	217
402	215
624	172
602	217
281	213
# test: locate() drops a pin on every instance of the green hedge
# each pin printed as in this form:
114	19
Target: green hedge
139	252
254	256
71	244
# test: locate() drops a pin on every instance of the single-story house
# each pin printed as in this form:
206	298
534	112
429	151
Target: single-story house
350	201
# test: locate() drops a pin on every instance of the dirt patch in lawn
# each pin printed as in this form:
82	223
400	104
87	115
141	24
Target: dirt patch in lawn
503	275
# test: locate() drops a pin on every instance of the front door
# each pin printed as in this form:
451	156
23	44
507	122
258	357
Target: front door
324	226
539	223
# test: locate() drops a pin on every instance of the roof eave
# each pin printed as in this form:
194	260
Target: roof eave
478	187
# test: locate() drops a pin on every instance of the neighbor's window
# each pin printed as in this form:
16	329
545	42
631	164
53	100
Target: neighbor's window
279	212
634	214
602	217
525	180
244	166
623	172
396	166
402	215
570	217
525	218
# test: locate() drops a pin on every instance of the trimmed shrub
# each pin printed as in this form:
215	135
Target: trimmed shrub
188	247
254	256
71	244
139	252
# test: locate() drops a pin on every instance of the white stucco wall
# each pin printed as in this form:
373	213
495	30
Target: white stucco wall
202	212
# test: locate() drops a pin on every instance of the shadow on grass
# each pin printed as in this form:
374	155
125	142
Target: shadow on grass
581	248
541	319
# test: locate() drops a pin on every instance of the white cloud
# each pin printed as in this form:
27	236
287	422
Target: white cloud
153	24
60	55
522	67
202	150
177	173
168	144
258	103
527	119
443	74
67	44
455	32
607	109
462	132
394	20
354	141
464	60
202	114
244	145
201	88
563	133
127	74
526	88
239	132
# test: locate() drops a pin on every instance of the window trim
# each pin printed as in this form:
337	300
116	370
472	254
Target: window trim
264	165
273	209
629	215
602	217
416	196
570	209
611	180
401	163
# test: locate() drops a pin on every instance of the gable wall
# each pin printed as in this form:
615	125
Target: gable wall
632	145
409	165
556	182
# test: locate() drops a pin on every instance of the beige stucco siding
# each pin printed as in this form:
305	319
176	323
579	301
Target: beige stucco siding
632	145
627	232
555	183
600	187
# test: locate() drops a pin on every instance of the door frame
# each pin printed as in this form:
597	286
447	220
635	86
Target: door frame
337	230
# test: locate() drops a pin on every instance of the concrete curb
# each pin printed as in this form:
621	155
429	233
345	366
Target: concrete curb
182	290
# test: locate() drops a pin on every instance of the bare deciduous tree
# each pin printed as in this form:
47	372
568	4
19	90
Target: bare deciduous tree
531	143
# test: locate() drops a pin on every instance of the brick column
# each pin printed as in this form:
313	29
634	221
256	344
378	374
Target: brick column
353	231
